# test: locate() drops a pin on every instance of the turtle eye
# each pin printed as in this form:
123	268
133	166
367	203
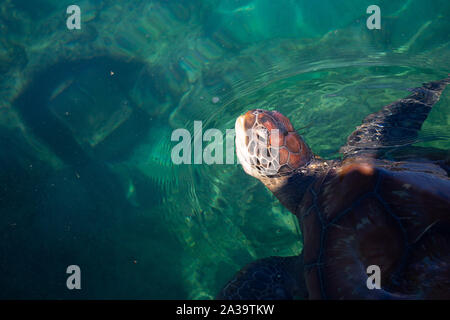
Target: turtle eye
285	121
261	134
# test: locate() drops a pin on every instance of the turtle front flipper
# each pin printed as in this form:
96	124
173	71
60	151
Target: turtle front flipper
396	124
273	278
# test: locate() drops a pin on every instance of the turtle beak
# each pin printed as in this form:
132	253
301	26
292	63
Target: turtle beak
241	145
239	125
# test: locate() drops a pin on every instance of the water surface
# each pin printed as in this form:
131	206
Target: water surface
86	118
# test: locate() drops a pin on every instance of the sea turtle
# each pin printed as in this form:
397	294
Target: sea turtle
357	214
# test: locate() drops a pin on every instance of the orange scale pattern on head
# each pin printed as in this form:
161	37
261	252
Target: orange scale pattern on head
284	156
295	160
276	139
249	120
268	123
284	120
293	142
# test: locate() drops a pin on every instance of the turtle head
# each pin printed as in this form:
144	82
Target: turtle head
268	146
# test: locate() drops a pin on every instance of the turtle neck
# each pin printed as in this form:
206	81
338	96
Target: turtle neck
290	189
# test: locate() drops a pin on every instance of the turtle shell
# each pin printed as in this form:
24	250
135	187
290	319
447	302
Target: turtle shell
392	215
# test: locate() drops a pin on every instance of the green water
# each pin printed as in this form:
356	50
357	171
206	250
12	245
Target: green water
86	117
